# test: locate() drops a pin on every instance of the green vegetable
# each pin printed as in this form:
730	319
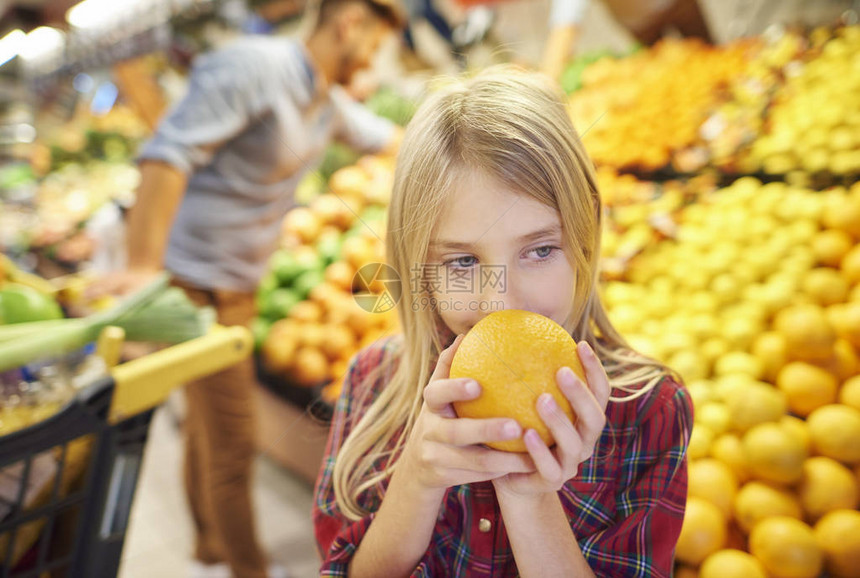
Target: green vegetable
22	304
260	329
155	313
306	282
388	103
328	247
277	304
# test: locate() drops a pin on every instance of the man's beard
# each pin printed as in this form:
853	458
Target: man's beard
346	70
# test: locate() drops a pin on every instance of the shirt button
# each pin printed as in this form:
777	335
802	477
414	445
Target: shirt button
484	525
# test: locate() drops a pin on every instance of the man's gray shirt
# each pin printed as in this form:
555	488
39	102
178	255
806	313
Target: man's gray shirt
253	123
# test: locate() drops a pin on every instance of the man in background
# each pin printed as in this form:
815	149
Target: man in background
217	178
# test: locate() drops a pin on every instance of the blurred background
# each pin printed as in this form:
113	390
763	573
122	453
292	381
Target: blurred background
729	168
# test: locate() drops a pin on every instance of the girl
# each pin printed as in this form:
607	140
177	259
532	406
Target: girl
492	175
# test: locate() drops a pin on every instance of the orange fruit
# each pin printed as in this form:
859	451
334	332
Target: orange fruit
849	393
338	342
787	548
831	246
514	355
774	453
838	535
835	431
808	334
686	572
731	564
826	485
280	345
340	274
307	311
714	481
757	501
309	367
703	531
806	387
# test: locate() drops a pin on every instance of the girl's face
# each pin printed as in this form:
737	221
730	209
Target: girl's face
495	249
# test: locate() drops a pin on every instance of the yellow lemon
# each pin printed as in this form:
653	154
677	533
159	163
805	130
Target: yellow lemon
757	501
838	535
806	387
731	563
714	481
835	431
787	548
703	531
826	485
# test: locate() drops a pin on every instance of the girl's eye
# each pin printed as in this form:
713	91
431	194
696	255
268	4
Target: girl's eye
462	262
543	252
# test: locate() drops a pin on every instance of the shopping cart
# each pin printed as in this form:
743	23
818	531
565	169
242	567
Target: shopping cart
74	474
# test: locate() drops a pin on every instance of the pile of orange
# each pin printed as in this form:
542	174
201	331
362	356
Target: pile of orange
640	111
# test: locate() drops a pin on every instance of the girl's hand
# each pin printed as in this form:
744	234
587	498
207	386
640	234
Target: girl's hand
574	441
444	450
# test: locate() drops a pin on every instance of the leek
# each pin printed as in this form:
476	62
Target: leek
156	313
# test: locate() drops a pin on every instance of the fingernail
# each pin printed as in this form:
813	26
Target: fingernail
585	349
472	387
511	429
566	376
548	402
532	436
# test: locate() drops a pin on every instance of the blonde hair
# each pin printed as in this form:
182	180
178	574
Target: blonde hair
513	126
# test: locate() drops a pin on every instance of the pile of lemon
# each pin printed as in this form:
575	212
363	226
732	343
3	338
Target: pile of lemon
757	305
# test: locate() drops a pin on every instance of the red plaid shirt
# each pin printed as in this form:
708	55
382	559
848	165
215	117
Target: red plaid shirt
625	506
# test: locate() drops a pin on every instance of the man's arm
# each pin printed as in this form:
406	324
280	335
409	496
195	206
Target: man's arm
148	224
149	220
565	19
559	47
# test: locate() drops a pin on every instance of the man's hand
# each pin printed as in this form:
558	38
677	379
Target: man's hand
121	283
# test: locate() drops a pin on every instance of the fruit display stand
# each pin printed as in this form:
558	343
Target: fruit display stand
747	107
753	300
309	323
67	482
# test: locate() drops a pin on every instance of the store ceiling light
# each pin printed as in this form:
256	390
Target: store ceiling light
91	14
10	45
41	43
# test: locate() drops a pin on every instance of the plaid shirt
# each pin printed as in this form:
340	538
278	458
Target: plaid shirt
625	506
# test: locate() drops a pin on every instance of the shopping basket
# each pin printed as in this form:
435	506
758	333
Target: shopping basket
74	475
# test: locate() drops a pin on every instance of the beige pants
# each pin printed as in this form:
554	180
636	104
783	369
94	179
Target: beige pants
219	451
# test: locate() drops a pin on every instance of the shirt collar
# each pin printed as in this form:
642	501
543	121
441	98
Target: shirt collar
316	81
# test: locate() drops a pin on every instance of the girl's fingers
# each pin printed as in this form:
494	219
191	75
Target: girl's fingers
488	462
443	365
545	463
467	431
567	436
595	375
495	462
440	393
590	416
